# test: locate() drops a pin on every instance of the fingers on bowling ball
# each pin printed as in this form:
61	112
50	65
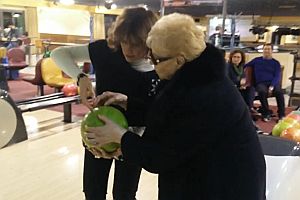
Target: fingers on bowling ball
91	120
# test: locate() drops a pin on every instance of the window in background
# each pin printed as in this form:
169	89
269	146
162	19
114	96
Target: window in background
12	23
108	20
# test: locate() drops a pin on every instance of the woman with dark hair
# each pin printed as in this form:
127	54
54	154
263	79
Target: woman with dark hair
120	65
236	73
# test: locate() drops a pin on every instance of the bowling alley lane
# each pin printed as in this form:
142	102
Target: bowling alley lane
49	165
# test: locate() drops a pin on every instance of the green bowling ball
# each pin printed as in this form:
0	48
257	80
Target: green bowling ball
91	120
281	126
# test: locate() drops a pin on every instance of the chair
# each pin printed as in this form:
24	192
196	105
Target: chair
27	47
2	53
38	46
37	78
52	75
26	40
17	61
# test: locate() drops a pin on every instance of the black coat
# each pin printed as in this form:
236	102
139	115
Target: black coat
233	76
114	73
200	138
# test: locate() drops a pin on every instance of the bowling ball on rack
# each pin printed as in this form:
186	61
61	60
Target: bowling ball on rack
297	112
280	126
294	116
70	89
290	120
288	133
91	120
292	133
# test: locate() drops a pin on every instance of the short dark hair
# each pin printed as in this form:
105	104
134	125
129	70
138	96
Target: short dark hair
240	52
19	42
268	44
133	26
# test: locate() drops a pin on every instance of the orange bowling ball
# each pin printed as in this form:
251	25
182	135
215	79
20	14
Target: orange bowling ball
291	133
296	136
288	133
70	89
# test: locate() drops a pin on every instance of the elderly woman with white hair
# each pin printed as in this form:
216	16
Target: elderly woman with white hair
199	135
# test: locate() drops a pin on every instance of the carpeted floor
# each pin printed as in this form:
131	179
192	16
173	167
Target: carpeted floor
20	90
268	126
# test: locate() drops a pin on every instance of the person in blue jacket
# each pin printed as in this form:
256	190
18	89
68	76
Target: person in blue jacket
267	75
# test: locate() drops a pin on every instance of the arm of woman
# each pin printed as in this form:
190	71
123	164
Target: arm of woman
66	58
176	142
155	156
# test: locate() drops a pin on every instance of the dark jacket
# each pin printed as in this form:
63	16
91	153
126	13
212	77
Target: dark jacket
200	138
265	70
114	73
233	75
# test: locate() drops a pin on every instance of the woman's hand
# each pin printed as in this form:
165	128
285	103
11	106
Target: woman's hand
99	153
108	98
86	93
243	84
110	132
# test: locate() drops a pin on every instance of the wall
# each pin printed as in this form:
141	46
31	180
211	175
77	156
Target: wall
38	28
63	21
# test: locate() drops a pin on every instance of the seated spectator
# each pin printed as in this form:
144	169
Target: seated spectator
17	44
235	67
267	73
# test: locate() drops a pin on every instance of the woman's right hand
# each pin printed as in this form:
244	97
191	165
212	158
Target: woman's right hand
87	94
108	98
99	153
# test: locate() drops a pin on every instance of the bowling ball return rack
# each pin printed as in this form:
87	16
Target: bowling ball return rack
12	123
50	100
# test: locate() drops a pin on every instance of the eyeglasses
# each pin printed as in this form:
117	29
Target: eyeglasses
154	60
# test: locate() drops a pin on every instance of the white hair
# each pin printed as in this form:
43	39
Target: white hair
176	34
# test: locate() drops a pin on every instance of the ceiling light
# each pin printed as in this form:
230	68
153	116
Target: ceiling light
114	6
67	2
143	6
16	15
108	4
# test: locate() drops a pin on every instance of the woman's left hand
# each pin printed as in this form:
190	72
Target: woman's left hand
110	132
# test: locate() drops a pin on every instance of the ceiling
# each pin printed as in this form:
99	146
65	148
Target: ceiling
214	7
